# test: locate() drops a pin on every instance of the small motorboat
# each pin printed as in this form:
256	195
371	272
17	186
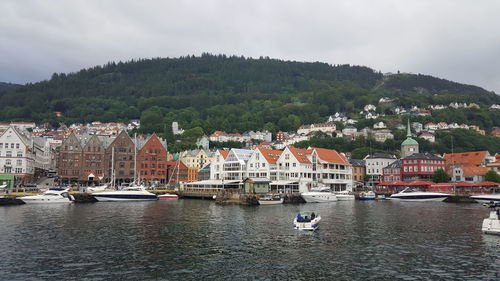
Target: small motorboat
53	195
487	198
418	196
168	196
270	200
367	195
319	195
130	193
306	221
344	196
491	224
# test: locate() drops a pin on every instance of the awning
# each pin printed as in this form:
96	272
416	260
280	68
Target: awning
419	183
283	182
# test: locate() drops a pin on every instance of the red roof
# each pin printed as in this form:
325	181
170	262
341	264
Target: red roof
330	156
300	154
224	153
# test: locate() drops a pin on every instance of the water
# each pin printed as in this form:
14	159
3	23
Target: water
199	240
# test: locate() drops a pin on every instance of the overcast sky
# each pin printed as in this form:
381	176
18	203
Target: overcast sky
454	39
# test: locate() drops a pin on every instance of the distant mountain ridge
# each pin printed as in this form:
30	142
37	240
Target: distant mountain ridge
5	87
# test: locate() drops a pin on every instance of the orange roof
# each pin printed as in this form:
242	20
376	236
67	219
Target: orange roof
300	154
474	158
224	153
270	155
330	155
472	171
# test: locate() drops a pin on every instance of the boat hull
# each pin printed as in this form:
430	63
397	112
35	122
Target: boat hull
168	196
410	198
45	200
307	226
319	197
114	196
491	225
345	197
487	198
271	202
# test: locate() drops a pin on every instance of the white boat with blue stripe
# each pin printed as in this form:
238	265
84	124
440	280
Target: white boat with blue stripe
418	196
131	193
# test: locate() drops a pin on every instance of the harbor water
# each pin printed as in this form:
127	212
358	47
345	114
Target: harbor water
200	240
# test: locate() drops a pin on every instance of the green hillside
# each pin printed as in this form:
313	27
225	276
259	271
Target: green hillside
234	94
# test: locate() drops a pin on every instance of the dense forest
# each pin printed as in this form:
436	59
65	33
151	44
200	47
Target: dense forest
5	87
234	94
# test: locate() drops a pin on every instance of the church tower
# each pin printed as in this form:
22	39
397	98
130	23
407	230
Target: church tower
409	146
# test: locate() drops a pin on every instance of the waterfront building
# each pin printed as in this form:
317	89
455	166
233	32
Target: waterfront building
235	164
358	171
421	166
392	172
196	158
294	165
177	172
331	168
217	165
93	162
466	159
468	174
375	164
123	150
69	160
17	157
204	173
263	163
152	161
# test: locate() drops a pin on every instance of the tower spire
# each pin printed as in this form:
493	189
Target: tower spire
408	134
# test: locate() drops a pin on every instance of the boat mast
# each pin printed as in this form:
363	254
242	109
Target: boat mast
135	158
113	167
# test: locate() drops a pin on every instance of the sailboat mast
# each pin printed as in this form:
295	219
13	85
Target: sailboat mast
113	166
135	158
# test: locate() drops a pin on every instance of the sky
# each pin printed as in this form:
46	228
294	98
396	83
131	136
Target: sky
457	40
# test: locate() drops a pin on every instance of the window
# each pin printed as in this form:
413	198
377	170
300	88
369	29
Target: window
19	162
17	145
8	162
8	154
19	170
1	144
19	154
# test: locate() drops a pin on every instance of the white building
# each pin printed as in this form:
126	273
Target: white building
379	125
319	127
16	154
235	164
427	136
263	164
369	107
217	165
375	164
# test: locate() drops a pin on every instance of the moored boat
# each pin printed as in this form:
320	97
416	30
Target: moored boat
53	195
306	221
344	196
168	196
367	195
418	196
487	198
270	200
491	224
131	193
319	195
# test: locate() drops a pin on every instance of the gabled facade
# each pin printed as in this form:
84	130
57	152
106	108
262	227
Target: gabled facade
262	163
294	164
152	161
393	172
332	169
16	155
375	164
235	164
93	168
217	164
177	172
197	158
122	150
70	159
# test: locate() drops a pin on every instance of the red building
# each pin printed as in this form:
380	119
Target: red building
392	172
420	166
152	161
176	172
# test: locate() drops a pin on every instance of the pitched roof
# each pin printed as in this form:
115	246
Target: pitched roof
381	155
224	153
357	162
270	155
394	165
330	155
425	156
300	154
474	158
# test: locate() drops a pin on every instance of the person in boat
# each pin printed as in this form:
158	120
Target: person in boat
313	216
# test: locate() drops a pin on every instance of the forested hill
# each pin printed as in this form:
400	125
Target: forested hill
5	87
223	92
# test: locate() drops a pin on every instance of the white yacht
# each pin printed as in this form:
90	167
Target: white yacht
487	198
367	195
344	195
54	195
319	195
131	193
418	196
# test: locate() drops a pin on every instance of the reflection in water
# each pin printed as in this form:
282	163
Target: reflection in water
194	239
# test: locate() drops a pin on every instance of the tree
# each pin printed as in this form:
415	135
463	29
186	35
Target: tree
440	176
493	176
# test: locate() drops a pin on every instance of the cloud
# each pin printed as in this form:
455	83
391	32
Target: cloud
456	40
